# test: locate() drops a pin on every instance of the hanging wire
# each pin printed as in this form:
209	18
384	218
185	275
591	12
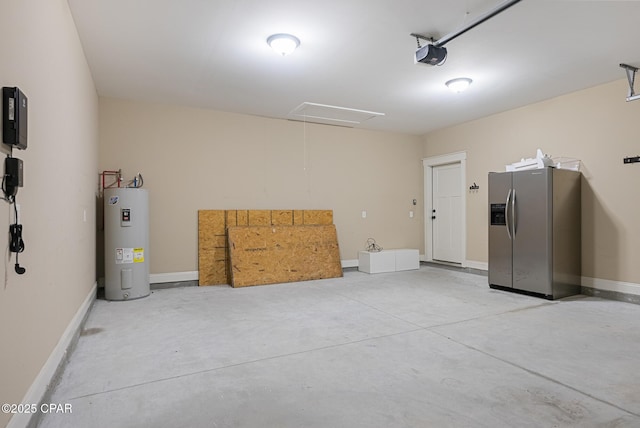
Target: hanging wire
372	247
304	146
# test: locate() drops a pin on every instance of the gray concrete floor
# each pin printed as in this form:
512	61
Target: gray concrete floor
425	348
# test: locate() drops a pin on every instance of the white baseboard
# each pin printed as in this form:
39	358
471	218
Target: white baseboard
608	285
476	265
467	263
600	284
39	387
349	263
156	278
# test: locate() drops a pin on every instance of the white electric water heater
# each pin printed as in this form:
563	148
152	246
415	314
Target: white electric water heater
126	237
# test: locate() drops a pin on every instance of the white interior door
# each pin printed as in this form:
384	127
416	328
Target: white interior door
447	210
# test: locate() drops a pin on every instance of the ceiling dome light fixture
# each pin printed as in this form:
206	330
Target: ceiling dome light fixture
282	43
459	85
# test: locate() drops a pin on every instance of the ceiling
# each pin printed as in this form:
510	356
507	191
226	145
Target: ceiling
355	54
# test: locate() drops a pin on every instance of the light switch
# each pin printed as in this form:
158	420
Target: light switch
410	214
364	214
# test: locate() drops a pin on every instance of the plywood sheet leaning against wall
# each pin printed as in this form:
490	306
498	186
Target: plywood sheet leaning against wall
271	254
212	247
214	267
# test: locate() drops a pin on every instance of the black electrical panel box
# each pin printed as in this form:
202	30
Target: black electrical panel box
13	175
14	118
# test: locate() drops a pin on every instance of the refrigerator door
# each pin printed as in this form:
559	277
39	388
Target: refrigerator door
500	244
532	231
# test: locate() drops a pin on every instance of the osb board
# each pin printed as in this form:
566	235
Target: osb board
259	217
232	217
262	255
213	253
212	257
211	222
278	217
243	217
282	217
317	216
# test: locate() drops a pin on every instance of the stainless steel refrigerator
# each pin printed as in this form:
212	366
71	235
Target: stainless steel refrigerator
534	232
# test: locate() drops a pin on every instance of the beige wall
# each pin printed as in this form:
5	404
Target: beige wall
195	159
41	54
595	125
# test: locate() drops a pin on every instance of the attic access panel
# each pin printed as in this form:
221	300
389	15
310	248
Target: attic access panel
332	115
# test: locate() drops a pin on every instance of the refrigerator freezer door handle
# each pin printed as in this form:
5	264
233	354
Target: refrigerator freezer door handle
506	214
513	211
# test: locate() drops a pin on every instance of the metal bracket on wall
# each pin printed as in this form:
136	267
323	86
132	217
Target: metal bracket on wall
631	77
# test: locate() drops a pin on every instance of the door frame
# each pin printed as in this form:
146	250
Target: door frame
428	164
